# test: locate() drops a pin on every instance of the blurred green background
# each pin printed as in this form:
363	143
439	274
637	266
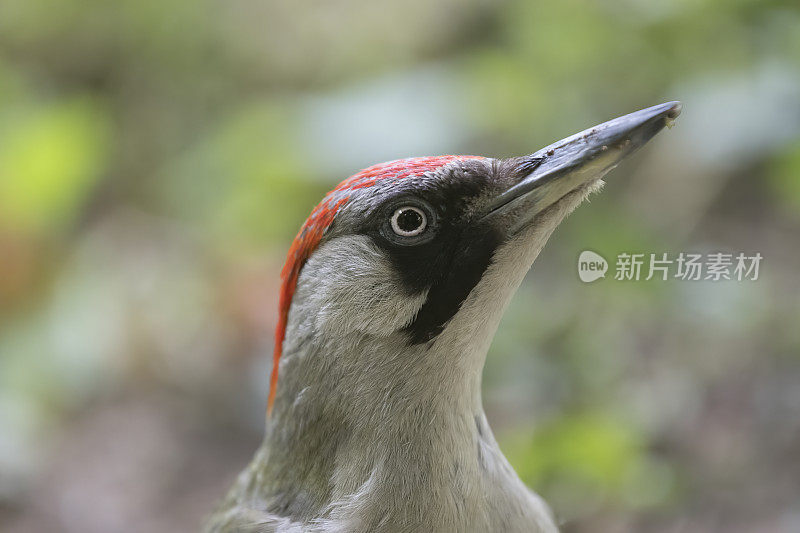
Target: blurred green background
157	157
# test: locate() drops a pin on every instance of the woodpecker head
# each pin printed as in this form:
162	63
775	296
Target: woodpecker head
421	256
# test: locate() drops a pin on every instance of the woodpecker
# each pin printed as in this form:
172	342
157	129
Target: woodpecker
391	295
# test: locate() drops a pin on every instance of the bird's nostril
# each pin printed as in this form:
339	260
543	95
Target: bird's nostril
529	164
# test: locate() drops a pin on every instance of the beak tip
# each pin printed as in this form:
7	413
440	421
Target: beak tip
647	122
671	111
674	110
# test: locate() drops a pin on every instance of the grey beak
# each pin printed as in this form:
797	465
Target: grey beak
569	163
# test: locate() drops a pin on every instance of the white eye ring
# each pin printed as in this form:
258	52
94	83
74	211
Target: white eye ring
400	225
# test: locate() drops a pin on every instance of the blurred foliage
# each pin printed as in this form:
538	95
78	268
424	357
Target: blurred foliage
156	158
783	178
52	155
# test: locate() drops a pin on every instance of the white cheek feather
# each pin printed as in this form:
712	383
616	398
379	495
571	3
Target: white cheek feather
349	285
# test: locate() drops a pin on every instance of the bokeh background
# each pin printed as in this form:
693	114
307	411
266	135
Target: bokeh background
157	157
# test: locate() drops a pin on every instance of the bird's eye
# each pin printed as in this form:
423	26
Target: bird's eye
409	221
